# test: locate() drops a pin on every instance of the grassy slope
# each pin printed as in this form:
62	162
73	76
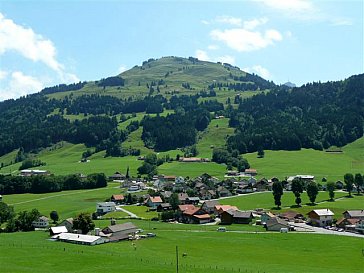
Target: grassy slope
307	161
206	252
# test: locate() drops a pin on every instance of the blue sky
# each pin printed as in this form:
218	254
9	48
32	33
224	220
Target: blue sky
44	43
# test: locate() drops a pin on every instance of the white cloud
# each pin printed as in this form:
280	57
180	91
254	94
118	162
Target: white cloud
202	55
226	59
341	22
261	71
213	47
20	84
252	24
229	20
205	22
295	6
3	74
122	68
244	40
34	47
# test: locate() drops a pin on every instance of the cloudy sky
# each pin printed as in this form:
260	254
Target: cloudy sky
44	43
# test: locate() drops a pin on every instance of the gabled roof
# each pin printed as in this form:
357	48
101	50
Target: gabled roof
323	212
117	197
182	196
122	227
191	211
106	204
276	220
202	216
57	230
165	205
351	221
156	199
240	214
225	207
211	203
290	214
355	213
184	208
76	237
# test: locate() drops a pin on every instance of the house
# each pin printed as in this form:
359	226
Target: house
105	207
68	223
33	172
262	185
354	214
182	198
245	189
359	227
169	178
164	207
209	206
119	232
276	224
207	194
117	176
166	194
41	222
221	208
117	198
192	200
223	192
193	215
80	239
347	223
290	215
57	230
339	185
236	216
320	217
252	172
154	201
266	216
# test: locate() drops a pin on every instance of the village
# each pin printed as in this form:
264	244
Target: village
179	200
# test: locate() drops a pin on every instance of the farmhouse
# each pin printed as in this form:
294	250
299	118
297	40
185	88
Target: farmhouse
192	200
236	216
105	207
41	222
153	202
182	197
119	232
80	239
117	198
221	208
266	216
117	176
276	224
33	172
68	223
164	207
320	217
193	215
252	172
354	214
290	215
57	230
209	206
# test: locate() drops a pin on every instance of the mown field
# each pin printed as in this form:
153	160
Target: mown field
207	251
265	200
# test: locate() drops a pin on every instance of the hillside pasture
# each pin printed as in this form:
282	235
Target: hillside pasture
236	252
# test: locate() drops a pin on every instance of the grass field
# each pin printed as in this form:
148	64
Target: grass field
207	251
321	164
66	203
265	200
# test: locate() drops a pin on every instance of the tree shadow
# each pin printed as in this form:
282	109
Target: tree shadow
276	208
295	206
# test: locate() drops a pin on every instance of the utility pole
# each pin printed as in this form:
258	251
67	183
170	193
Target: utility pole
177	259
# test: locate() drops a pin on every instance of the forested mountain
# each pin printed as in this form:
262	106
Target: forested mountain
316	115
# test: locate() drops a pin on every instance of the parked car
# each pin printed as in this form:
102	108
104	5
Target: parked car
151	234
221	229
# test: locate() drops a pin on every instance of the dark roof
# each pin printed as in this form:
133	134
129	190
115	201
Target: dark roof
276	220
182	196
211	203
193	198
355	213
290	215
122	227
240	214
165	205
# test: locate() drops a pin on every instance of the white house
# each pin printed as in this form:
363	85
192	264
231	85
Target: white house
320	217
33	172
105	207
41	222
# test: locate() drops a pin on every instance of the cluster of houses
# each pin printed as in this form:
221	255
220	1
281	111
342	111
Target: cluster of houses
115	232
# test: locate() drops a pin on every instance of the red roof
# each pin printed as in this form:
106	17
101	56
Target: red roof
222	208
156	199
191	211
117	197
203	216
186	207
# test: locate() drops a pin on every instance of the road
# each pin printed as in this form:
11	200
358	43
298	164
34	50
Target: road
132	215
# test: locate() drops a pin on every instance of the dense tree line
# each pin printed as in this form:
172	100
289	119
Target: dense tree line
316	115
175	130
63	88
44	184
111	81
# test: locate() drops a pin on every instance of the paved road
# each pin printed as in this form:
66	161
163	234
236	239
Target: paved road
302	227
132	215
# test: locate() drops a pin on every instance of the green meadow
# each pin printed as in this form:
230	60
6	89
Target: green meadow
206	251
321	164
